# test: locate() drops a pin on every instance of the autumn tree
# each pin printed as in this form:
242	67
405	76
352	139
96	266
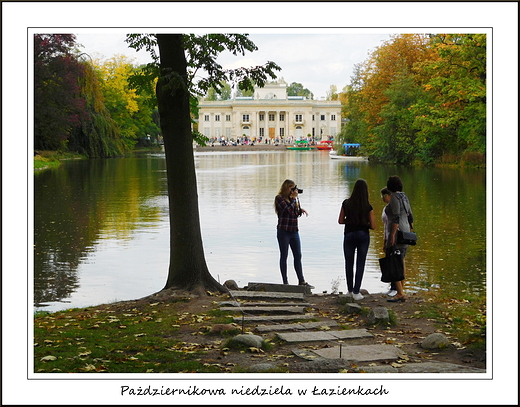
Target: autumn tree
332	93
179	59
453	119
97	134
58	105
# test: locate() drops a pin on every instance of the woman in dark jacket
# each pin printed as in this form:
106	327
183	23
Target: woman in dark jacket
400	214
358	217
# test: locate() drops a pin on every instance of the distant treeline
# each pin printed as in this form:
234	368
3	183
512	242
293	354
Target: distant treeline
417	98
420	98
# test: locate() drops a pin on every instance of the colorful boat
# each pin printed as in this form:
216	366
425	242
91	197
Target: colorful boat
300	145
324	145
349	157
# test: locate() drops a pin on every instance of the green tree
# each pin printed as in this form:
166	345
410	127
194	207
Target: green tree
297	89
396	134
225	93
453	120
181	56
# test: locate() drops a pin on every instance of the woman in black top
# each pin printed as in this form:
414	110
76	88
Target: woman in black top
358	217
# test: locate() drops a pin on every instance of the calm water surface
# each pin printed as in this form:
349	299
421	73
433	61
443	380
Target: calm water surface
101	230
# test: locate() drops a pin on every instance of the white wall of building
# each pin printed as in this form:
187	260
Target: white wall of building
270	114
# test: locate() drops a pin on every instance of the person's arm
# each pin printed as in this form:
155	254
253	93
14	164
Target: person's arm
341	219
288	207
393	233
372	220
395	208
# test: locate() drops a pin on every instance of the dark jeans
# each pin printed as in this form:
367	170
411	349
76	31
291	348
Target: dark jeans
353	241
292	239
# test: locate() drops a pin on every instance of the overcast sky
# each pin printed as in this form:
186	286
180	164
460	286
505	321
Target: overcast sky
314	60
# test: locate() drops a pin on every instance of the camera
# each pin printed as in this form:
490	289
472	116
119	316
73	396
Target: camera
300	191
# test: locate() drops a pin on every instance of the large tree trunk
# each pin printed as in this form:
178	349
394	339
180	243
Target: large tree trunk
188	269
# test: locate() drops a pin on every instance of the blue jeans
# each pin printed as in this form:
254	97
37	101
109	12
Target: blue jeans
292	239
352	241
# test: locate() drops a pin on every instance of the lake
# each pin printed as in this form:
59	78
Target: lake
101	229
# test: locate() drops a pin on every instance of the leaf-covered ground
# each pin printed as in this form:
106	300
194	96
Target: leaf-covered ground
171	332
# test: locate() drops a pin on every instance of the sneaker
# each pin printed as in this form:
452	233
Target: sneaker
357	297
308	285
391	293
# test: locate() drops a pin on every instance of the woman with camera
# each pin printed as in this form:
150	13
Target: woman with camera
358	217
287	207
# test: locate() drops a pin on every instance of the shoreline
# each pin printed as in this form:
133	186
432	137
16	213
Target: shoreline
256	147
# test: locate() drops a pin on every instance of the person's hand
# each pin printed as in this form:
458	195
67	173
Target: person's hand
304	211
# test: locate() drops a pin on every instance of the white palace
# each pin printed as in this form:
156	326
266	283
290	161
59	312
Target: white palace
270	115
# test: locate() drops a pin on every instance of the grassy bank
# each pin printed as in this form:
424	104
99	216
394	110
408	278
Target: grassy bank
52	159
464	318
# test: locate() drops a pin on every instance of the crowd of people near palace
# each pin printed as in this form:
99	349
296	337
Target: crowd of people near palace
245	140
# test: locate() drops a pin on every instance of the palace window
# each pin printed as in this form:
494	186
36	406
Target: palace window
271	117
217	117
298	118
282	117
206	117
333	117
228	117
282	132
261	132
245	118
322	117
261	117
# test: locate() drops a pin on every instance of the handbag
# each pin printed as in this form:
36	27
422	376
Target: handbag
406	238
392	267
409	238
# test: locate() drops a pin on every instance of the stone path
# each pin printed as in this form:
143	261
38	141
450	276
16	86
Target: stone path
282	310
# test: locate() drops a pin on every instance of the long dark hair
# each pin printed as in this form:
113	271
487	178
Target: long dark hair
357	207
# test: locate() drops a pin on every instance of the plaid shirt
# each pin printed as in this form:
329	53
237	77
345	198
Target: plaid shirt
288	214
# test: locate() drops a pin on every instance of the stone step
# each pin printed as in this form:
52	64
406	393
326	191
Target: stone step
274	304
422	367
265	310
295	327
272	287
273	318
354	353
324	335
266	295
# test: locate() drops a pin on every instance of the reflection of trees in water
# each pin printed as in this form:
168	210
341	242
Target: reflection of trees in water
84	202
449	207
80	203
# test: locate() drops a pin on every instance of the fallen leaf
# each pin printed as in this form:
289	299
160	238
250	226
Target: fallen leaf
48	358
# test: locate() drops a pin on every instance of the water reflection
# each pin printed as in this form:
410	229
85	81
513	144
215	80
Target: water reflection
101	226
